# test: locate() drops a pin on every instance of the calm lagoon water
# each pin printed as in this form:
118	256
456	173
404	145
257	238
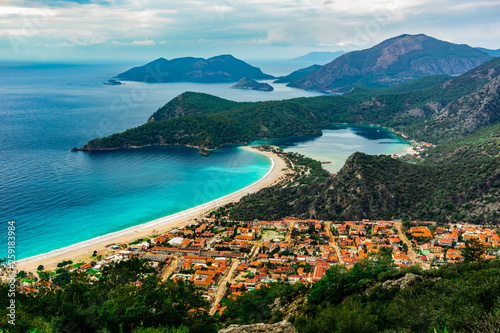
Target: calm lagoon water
339	142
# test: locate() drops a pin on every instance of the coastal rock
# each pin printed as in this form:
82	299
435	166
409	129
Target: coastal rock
246	83
281	327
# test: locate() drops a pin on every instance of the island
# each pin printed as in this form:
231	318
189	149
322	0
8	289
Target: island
222	68
246	83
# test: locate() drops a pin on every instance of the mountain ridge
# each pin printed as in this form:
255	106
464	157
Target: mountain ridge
393	61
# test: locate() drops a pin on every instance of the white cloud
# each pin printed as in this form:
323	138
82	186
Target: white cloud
143	42
475	5
258	24
146	42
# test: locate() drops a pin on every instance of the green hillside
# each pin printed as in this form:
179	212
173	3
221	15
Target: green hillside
376	297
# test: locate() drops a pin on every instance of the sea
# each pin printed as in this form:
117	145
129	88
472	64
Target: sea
57	198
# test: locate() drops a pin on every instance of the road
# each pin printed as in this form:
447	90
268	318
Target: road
332	242
221	291
256	247
404	239
165	273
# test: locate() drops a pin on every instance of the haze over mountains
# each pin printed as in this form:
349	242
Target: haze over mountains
394	61
222	68
297	74
320	57
493	53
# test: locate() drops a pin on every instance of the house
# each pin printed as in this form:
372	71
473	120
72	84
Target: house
401	259
202	281
445	241
319	272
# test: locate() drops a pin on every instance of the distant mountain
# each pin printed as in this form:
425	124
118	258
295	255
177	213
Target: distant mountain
246	83
297	74
320	57
223	68
493	53
394	61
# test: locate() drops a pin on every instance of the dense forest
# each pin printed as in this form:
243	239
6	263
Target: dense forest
431	109
456	181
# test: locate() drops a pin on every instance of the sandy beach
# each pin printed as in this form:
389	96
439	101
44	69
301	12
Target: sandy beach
82	250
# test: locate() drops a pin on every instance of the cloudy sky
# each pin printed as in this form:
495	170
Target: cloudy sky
248	29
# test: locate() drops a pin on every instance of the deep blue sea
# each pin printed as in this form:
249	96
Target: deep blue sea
58	198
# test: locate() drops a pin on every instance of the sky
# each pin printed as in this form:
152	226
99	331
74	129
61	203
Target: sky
248	29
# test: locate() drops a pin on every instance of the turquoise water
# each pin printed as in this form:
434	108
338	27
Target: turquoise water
339	142
58	198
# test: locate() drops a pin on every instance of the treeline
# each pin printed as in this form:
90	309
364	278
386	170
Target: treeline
125	298
374	296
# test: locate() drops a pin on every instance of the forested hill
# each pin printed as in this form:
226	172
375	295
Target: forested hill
458	181
432	109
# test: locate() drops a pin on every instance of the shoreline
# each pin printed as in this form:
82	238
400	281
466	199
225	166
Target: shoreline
85	248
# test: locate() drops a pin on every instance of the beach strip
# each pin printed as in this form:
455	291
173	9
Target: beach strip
82	250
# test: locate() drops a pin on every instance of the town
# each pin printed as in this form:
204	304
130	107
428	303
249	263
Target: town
224	258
